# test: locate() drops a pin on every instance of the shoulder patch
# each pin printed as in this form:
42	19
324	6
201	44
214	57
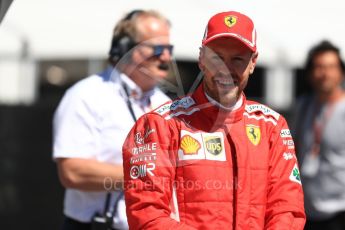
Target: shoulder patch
183	103
295	175
163	109
262	108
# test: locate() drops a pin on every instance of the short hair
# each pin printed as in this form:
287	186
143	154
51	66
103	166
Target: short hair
128	25
322	47
127	32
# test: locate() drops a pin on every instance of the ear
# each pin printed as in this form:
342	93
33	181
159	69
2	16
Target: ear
254	58
135	56
129	62
201	58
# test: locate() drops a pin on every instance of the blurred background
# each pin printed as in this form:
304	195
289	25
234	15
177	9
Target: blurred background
46	46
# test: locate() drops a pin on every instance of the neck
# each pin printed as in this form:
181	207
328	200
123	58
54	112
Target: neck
137	77
227	106
332	97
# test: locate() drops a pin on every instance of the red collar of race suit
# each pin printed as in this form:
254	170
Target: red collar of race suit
215	113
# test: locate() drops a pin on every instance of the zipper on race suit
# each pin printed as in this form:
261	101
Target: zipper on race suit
234	180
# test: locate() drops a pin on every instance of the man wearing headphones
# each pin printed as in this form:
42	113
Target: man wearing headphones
95	115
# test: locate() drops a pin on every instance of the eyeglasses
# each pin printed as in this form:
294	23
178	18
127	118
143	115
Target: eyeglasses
159	49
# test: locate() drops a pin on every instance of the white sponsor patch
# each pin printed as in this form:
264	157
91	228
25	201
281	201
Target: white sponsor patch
202	146
262	108
288	156
144	157
185	103
289	143
295	176
146	148
140	137
142	170
191	147
214	146
163	109
285	133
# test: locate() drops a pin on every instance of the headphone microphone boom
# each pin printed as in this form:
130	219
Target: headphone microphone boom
163	66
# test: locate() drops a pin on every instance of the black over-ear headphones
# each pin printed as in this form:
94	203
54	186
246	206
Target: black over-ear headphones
122	42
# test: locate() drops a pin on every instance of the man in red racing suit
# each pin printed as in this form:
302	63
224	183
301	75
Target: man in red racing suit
203	163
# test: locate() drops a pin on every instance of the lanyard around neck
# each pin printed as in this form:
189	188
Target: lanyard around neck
106	211
129	103
319	125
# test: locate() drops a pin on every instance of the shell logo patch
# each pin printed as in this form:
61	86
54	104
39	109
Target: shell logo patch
253	134
230	20
189	145
213	145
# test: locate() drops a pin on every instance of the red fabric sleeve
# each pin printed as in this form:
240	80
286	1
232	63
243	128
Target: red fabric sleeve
285	205
149	161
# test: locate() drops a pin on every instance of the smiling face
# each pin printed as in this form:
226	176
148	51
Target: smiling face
226	64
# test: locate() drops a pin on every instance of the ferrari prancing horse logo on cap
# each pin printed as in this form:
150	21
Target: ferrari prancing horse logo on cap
230	20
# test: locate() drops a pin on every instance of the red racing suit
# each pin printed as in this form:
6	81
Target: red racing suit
191	165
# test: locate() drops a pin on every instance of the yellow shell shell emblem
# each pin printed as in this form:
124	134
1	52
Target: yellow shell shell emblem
189	145
230	20
253	134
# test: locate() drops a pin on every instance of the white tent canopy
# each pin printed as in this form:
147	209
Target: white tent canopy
49	29
82	28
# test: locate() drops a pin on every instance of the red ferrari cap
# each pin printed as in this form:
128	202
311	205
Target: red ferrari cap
231	24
